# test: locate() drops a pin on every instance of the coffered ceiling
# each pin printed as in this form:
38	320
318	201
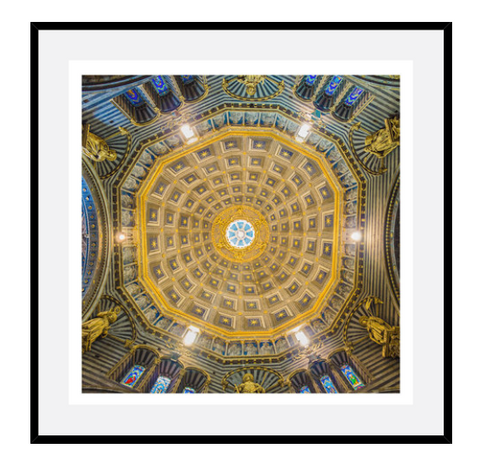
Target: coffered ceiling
195	154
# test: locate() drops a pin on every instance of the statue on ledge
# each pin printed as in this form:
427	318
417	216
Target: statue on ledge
383	334
249	386
251	82
95	148
97	327
382	142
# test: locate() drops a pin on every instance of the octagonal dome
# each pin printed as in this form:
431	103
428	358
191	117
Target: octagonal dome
293	197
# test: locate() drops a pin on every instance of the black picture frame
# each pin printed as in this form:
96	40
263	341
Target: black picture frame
37	438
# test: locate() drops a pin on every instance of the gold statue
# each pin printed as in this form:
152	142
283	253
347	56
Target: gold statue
96	148
92	329
382	142
251	82
249	386
382	333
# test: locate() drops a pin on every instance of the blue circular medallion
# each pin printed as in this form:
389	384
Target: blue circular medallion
240	233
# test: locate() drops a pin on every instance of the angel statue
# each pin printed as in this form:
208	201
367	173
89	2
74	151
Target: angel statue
95	147
382	142
251	82
383	334
97	327
249	386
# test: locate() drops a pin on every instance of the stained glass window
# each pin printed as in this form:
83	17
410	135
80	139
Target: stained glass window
161	385
310	79
332	86
328	384
187	78
353	96
240	233
134	97
355	382
305	389
160	85
132	377
188	390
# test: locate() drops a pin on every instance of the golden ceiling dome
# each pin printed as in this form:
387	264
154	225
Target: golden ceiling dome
279	273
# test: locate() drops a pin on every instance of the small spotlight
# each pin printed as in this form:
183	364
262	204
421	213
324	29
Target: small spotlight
187	131
121	237
302	133
302	338
356	236
189	134
190	336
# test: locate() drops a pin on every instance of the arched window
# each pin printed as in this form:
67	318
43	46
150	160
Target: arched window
192	87
325	377
133	375
193	380
133	104
351	370
353	96
160	85
327	384
326	97
305	88
136	369
161	385
162	95
164	377
345	110
302	382
352	378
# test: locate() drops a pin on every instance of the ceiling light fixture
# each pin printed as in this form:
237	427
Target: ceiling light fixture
121	237
302	133
356	236
302	338
191	335
188	133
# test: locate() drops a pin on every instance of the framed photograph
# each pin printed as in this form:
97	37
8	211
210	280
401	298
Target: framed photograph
251	241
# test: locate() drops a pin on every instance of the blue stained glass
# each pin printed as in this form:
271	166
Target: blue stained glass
161	385
353	96
332	86
240	233
355	382
310	79
160	85
132	377
305	389
328	384
188	390
133	96
187	78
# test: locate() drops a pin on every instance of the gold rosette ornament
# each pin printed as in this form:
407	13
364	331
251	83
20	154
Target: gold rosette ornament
240	233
